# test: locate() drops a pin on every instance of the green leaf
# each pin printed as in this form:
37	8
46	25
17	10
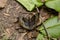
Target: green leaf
48	0
38	3
40	37
53	27
51	22
53	32
30	4
54	4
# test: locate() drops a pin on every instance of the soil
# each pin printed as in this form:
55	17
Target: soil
9	29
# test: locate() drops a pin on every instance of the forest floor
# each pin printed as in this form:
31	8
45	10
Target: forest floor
9	30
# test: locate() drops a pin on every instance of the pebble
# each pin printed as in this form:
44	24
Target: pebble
3	3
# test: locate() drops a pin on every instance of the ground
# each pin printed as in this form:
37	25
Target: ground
9	30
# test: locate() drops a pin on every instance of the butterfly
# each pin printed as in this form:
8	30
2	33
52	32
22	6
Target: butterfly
29	23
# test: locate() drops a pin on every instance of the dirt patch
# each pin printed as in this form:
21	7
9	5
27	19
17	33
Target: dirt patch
9	30
3	3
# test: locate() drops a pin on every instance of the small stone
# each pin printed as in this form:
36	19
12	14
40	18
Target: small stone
3	3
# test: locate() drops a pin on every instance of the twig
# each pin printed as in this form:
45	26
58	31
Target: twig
43	23
59	16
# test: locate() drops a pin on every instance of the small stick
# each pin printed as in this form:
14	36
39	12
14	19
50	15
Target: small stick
43	23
